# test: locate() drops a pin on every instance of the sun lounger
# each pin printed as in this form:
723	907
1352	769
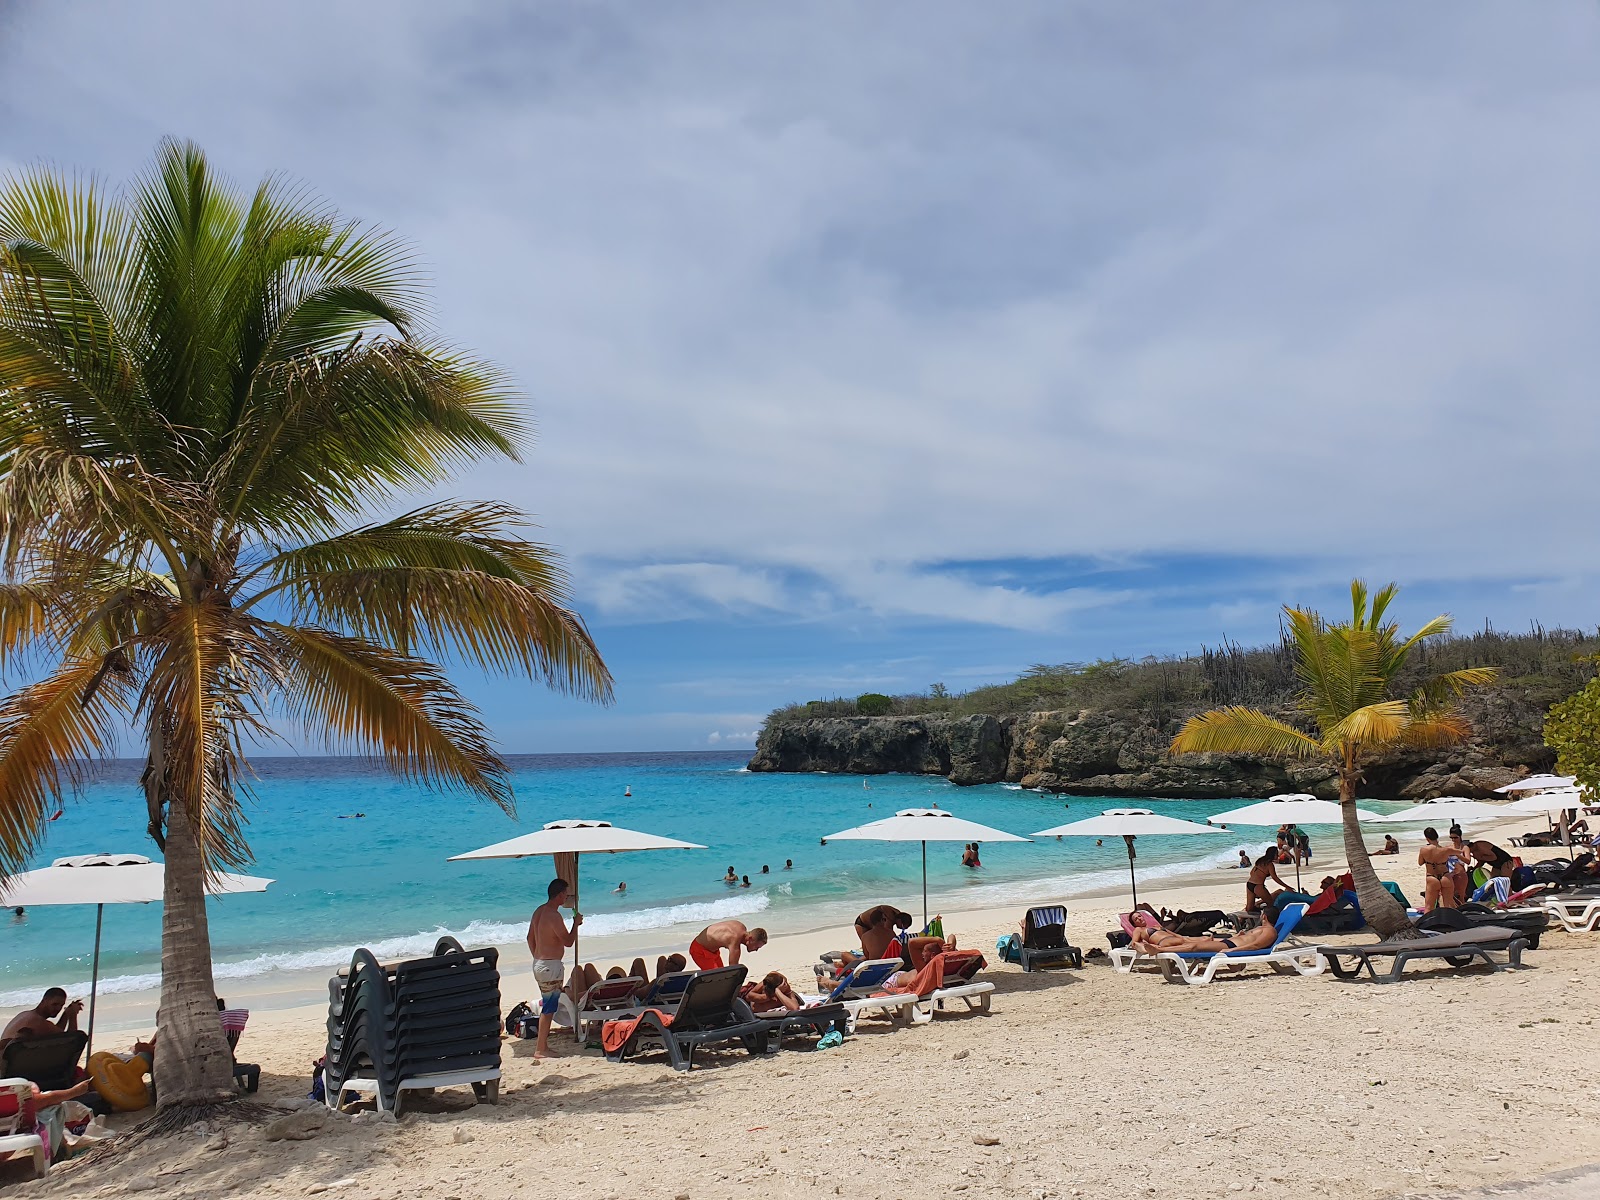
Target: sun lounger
861	991
710	1013
1530	922
1044	938
1458	949
607	999
815	1019
1577	913
1203	966
13	1139
51	1061
958	985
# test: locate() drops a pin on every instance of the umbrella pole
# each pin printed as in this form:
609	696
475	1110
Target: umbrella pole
924	886
577	962
94	980
1133	880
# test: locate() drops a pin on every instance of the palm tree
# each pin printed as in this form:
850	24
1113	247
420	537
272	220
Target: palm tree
208	401
1348	675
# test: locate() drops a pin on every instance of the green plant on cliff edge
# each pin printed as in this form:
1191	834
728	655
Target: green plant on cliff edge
1572	730
1347	673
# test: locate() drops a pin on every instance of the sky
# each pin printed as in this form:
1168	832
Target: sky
874	346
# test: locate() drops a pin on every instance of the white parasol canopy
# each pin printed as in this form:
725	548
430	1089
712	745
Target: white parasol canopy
1536	783
1550	802
576	837
1298	808
923	825
1446	808
573	837
1295	808
102	879
1127	824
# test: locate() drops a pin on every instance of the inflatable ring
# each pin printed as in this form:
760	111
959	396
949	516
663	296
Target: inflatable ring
121	1084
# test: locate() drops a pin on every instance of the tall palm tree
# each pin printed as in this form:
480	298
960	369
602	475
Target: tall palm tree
1348	674
208	401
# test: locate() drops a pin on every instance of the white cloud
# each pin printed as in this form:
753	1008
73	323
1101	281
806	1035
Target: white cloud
805	304
731	738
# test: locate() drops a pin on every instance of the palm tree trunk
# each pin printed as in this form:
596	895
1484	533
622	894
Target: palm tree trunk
193	1063
1382	911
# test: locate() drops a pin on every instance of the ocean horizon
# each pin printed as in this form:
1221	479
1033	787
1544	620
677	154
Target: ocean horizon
382	880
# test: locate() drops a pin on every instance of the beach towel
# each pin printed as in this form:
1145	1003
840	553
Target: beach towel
929	979
615	1034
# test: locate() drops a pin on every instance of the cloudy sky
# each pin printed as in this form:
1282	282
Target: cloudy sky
874	345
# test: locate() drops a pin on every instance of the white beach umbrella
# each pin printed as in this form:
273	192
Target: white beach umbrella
102	879
566	840
1550	802
1446	808
1299	808
1538	783
923	825
1127	824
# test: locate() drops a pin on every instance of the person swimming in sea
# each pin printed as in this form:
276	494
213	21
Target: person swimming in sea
620	888
351	816
731	877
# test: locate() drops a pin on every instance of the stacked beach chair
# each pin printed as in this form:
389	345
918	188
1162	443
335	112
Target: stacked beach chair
401	1026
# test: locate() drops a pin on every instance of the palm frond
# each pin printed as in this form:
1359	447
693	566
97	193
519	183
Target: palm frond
49	738
1431	732
358	695
1372	725
1240	730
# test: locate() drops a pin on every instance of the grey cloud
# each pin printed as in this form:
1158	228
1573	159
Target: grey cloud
838	291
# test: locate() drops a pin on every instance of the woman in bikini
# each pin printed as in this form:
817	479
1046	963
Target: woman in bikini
1148	936
1257	895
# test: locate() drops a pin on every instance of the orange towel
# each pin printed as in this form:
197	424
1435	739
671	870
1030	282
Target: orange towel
614	1035
925	981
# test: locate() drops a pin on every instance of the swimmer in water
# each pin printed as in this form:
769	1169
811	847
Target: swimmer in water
351	816
620	888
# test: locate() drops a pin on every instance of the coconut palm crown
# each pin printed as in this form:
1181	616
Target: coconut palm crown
212	404
1348	674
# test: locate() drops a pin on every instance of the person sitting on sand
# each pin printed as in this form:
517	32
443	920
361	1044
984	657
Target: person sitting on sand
1256	893
772	994
1244	861
1390	846
1438	862
732	936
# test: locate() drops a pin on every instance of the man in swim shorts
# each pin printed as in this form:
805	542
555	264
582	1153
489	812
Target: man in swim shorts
732	936
548	940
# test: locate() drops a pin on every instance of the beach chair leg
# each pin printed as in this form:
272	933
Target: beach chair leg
919	1013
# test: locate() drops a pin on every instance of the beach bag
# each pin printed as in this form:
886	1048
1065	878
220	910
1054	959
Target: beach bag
935	928
519	1018
1009	948
1118	938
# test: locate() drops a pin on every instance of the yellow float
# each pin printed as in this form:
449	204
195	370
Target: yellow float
121	1083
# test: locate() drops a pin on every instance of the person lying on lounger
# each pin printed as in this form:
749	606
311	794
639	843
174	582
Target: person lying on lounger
1262	937
1148	935
772	994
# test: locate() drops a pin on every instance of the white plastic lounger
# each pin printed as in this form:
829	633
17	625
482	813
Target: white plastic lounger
1126	958
1202	966
856	992
974	995
1577	914
605	1001
12	1142
486	1084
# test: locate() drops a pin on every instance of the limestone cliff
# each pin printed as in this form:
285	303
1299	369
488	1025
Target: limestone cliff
1112	753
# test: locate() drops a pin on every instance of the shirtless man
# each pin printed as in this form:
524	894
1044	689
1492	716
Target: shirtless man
732	936
1436	861
1262	937
772	994
548	940
51	1015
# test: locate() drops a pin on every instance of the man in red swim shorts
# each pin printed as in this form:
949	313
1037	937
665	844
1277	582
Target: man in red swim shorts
732	936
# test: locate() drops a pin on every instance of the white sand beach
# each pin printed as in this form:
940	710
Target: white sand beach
1079	1083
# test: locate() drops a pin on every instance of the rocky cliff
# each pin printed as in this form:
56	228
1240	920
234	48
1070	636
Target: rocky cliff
1110	753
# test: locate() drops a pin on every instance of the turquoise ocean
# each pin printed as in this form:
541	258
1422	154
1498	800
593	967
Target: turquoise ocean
383	881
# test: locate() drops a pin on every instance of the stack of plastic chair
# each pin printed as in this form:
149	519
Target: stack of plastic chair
426	1023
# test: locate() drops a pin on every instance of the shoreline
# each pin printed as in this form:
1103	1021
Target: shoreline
810	929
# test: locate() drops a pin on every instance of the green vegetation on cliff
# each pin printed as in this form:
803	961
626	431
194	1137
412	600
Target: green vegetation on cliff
1542	666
